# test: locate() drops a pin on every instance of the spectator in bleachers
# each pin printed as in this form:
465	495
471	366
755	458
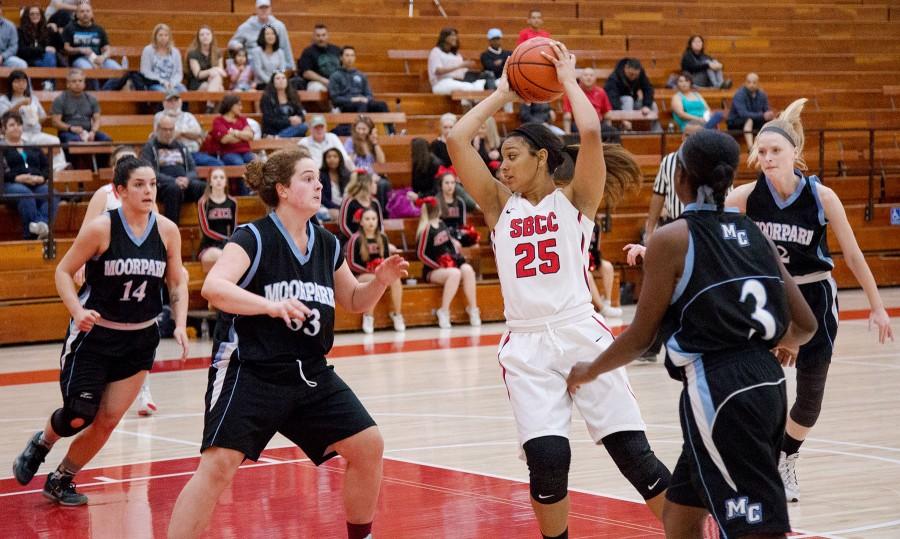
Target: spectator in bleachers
217	213
318	62
689	106
362	145
161	61
365	250
494	58
26	173
535	21
205	65
319	140
629	88
240	73
19	98
334	176
487	142
60	12
269	57
453	208
444	263
35	45
176	172
749	108
425	167
449	72
230	136
358	197
587	80
9	44
187	129
247	35
75	113
348	87
282	113
705	71
439	145
602	302
85	41
540	113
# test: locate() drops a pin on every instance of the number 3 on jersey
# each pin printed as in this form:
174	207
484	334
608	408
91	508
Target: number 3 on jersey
758	291
525	255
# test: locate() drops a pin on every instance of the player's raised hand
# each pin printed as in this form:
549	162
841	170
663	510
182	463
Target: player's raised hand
633	252
882	321
564	62
394	267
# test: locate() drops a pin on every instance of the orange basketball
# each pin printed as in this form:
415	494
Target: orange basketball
531	75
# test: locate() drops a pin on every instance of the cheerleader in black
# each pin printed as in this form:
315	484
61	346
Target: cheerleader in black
279	279
366	250
359	195
444	263
217	213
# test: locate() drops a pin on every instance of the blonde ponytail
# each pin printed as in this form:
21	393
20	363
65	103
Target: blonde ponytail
788	122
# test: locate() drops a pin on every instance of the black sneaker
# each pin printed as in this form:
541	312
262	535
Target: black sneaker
28	462
62	491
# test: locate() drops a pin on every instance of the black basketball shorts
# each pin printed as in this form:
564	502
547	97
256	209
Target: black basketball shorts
248	402
822	299
733	413
93	359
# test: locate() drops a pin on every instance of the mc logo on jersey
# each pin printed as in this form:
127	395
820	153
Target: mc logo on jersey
531	225
742	508
729	232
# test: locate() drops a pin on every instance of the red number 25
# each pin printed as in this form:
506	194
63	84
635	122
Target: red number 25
549	260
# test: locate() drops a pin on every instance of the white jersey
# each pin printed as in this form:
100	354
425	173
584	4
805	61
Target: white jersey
542	258
113	202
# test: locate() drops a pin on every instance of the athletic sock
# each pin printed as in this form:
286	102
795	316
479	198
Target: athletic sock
563	535
66	468
43	442
790	445
359	531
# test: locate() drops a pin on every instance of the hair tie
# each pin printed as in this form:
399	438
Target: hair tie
361	171
357	215
431	201
442	171
780	131
705	195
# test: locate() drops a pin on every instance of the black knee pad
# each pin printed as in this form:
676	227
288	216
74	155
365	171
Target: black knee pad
73	408
548	460
631	452
810	393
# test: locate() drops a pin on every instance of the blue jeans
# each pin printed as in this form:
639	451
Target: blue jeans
68	136
15	61
161	88
293	131
48	60
30	209
234	159
205	160
714	119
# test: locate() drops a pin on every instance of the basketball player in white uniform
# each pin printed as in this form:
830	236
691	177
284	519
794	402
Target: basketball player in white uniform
103	200
540	238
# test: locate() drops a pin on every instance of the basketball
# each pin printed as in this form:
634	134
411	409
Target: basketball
530	74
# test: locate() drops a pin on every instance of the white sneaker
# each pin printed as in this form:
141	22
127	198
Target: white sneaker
787	467
368	324
443	318
609	311
399	323
474	316
39	229
146	406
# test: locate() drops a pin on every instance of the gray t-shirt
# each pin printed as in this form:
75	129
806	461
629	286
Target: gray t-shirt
75	110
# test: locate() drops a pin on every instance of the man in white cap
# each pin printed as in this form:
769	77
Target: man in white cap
248	32
320	140
494	57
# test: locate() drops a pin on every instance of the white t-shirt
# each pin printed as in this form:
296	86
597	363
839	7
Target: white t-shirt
440	59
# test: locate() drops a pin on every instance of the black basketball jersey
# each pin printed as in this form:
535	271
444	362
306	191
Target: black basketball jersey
372	247
730	296
454	215
797	225
217	220
278	271
124	284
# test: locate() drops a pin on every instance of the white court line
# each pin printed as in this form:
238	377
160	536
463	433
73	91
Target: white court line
888	524
429	392
104	479
865	364
156	437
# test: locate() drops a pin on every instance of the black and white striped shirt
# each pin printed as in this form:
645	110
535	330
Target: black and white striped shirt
664	185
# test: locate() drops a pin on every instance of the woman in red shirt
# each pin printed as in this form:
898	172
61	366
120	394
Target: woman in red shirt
230	135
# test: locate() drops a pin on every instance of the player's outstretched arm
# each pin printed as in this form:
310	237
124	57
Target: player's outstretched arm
490	194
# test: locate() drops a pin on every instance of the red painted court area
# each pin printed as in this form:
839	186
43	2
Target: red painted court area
284	495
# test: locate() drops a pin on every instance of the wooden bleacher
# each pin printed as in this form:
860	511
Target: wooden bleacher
844	56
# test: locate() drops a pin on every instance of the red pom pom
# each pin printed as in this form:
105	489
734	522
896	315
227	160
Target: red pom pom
446	261
471	234
361	171
431	201
373	264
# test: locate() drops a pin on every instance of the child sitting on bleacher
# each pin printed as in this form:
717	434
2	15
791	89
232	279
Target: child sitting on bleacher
444	262
453	209
359	196
217	213
366	249
240	72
